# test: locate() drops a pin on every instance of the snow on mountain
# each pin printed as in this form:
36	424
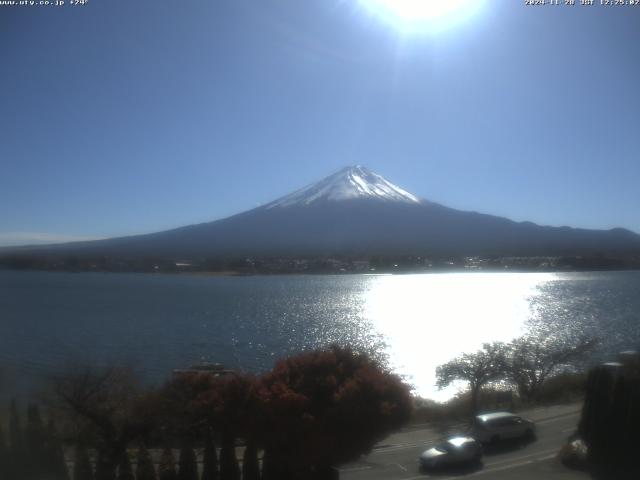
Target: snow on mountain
354	182
352	212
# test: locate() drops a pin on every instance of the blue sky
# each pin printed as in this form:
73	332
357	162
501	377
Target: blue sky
124	117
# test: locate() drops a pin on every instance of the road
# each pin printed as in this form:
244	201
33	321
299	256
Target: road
397	457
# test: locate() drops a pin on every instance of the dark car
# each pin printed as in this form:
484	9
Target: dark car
453	451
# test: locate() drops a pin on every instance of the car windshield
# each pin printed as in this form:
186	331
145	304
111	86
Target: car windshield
445	447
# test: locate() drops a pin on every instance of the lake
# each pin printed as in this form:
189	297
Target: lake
156	323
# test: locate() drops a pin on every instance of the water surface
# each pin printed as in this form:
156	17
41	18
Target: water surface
160	322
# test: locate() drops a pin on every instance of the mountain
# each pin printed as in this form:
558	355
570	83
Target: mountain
350	183
355	211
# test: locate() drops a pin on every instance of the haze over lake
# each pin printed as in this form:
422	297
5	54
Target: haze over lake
161	322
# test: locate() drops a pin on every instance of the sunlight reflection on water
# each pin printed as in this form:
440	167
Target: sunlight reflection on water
160	322
429	319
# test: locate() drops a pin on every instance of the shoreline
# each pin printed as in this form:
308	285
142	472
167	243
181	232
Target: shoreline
236	273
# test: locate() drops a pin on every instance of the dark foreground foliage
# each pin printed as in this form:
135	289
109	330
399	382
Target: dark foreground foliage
326	408
611	418
311	413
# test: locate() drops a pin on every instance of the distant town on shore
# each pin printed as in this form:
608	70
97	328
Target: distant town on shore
324	265
353	221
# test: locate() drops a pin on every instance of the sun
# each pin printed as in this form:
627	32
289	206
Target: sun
413	15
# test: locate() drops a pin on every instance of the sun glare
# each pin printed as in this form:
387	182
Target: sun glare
422	15
425	323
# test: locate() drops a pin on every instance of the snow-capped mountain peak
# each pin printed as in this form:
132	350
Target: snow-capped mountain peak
354	182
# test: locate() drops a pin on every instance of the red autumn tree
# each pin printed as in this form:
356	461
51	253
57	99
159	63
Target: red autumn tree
324	408
182	411
197	404
234	405
312	412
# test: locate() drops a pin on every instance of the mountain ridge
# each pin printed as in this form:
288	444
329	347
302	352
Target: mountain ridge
354	211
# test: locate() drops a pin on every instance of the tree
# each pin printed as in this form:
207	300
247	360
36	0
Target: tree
167	466
610	419
82	466
327	407
531	359
56	461
109	410
271	470
105	469
16	466
145	470
188	464
477	369
125	472
250	465
4	456
15	430
185	406
229	468
197	404
210	459
237	411
36	443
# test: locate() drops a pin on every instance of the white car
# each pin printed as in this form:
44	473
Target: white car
453	451
493	427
